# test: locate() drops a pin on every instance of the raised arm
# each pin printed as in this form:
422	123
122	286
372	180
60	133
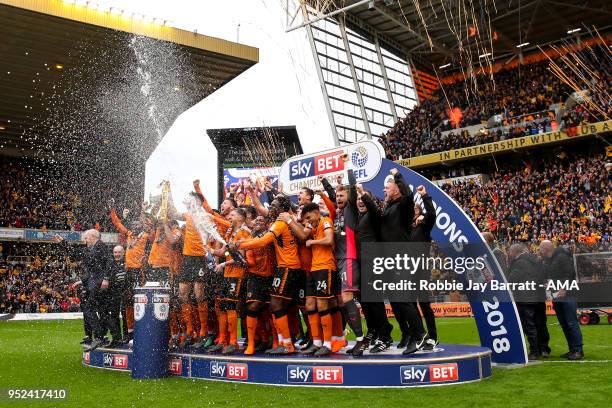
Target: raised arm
331	192
402	186
430	211
352	190
261	209
197	189
117	222
373	209
329	204
407	200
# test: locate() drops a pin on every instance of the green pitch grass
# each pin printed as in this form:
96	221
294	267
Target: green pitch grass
46	354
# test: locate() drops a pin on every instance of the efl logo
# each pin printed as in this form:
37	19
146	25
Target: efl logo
86	357
428	373
315	374
313	166
175	366
231	371
120	361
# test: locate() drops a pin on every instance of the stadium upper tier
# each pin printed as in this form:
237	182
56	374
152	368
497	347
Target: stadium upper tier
524	100
49	46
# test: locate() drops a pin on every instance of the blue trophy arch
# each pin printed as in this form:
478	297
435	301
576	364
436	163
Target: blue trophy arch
496	316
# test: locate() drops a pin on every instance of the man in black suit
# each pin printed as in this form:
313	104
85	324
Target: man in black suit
97	264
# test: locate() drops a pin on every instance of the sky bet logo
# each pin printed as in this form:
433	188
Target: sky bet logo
119	361
231	371
313	166
428	373
314	374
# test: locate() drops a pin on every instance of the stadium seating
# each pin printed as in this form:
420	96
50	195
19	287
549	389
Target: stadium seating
33	194
36	278
520	101
564	198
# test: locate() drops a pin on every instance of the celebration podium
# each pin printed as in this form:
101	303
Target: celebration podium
445	365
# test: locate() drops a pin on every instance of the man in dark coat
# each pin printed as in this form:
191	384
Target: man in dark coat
559	266
525	267
396	226
97	265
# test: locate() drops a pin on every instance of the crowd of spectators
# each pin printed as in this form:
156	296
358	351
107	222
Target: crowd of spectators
36	278
521	98
565	198
35	194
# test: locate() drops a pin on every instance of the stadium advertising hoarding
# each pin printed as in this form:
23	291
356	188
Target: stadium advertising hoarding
36	235
508	145
11	233
494	309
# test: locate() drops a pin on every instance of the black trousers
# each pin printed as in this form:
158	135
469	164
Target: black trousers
430	318
375	315
527	313
408	318
541	327
84	298
127	299
110	306
92	311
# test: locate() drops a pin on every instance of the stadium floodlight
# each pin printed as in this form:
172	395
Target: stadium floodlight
485	55
127	13
444	66
92	5
523	45
574	30
115	11
159	21
69	1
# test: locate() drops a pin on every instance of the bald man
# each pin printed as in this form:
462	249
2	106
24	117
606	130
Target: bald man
97	265
559	266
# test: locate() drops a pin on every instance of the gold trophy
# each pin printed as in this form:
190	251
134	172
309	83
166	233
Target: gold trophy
159	201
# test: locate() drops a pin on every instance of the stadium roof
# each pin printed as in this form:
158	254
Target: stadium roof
410	24
41	40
